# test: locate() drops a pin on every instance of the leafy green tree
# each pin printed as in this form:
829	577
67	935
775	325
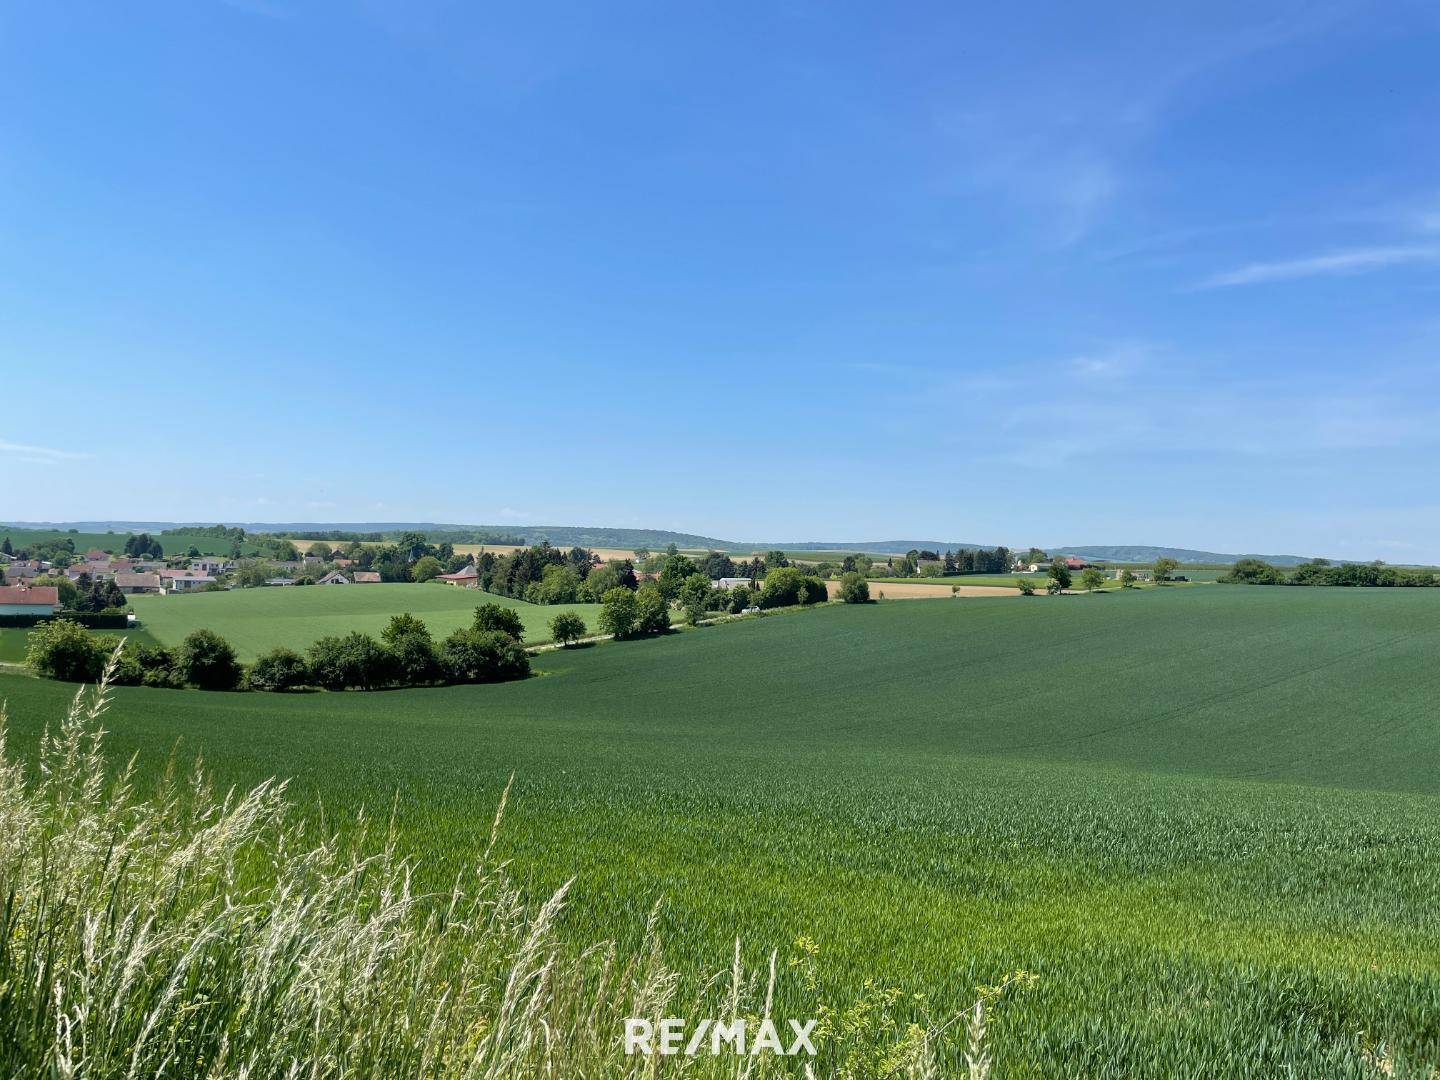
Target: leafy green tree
1127	578
1059	575
65	588
1165	567
5	547
1026	586
426	568
567	627
677	569
503	620
483	656
775	560
277	670
354	659
740	598
1091	578
416	662
618	612
652	610
61	649
1253	572
854	589
781	588
695	597
207	660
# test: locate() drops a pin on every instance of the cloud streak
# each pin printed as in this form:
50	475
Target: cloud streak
1357	261
39	455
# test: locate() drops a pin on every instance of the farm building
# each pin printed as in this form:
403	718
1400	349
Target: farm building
466	577
29	600
367	577
334	577
730	582
280	581
131	584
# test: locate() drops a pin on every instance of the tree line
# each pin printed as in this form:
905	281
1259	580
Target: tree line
1323	572
405	655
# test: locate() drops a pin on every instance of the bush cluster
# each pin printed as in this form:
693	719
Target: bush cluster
489	650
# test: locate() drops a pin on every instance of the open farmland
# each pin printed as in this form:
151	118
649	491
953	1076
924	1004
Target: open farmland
919	589
1209	821
254	620
175	544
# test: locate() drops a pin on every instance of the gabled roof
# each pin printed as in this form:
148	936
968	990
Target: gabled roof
367	576
30	594
137	581
333	576
465	573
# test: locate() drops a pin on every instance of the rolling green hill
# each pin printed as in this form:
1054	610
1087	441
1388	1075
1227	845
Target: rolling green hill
254	620
1207	819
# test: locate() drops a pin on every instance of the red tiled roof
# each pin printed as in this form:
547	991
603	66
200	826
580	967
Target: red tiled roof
35	594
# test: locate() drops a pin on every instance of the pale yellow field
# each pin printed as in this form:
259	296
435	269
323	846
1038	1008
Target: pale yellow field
921	591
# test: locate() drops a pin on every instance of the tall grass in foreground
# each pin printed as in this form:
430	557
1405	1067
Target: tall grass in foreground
191	934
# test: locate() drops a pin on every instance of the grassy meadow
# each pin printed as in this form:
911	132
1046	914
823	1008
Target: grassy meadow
175	544
254	620
1207	819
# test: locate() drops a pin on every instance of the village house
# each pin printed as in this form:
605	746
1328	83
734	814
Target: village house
279	581
335	577
29	600
466	577
210	565
730	582
186	581
132	584
367	577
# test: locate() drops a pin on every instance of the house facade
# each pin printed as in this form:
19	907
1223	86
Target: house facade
29	599
467	577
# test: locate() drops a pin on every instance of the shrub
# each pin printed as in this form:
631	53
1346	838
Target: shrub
503	620
812	590
277	670
652	610
207	660
567	627
426	568
356	660
1091	578
854	589
781	588
61	649
1026	586
483	656
617	612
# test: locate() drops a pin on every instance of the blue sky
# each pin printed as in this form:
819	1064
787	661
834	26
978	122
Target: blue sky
1055	275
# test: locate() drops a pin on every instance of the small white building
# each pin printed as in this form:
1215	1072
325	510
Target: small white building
730	582
188	582
334	577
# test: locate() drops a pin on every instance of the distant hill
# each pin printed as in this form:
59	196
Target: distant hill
1144	553
657	539
874	547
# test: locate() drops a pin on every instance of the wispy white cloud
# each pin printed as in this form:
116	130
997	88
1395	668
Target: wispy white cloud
1356	261
39	455
1123	359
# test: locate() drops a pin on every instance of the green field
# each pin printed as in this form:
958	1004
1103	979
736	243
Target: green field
113	542
14	641
254	620
1209	820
